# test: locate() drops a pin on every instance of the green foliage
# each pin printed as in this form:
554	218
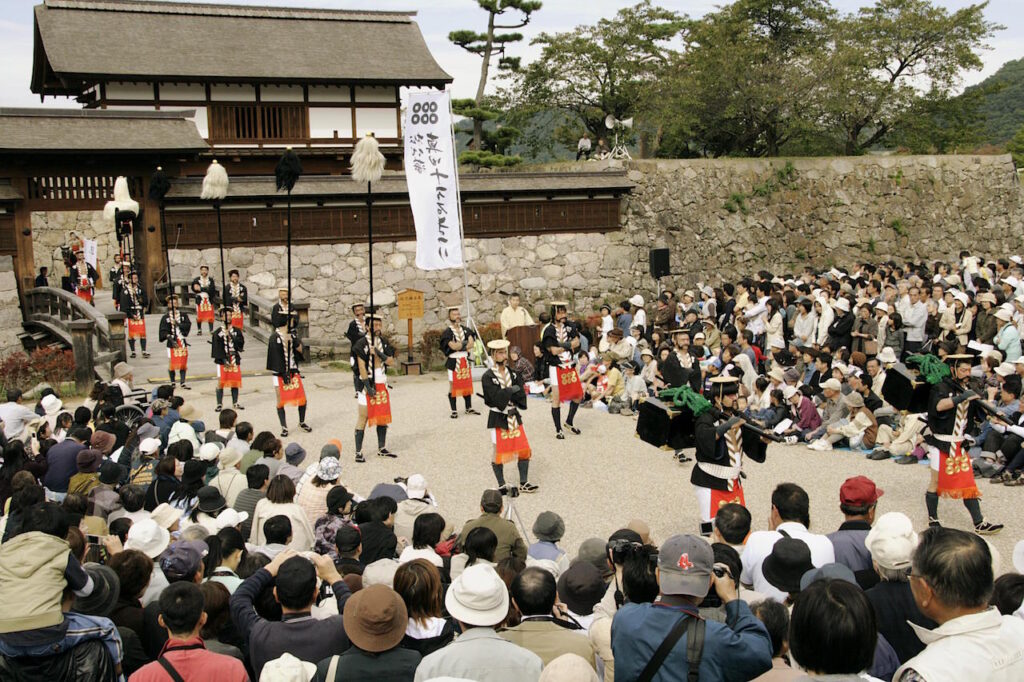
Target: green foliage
800	254
737	201
1016	148
1002	102
488	159
871	245
897	227
782	177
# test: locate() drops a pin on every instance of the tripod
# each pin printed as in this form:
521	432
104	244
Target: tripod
510	511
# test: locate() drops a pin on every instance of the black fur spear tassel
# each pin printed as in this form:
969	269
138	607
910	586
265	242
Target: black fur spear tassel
159	185
288	170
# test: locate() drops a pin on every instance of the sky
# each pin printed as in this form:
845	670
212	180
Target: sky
437	17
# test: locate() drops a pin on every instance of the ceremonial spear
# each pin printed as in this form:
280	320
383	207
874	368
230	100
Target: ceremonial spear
159	185
368	167
287	173
215	187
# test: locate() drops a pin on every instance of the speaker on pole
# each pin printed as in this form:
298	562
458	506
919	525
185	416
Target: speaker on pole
659	263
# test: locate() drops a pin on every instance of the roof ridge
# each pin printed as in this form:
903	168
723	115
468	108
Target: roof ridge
41	112
231	10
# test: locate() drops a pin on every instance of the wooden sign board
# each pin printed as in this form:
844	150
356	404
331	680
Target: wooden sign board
410	304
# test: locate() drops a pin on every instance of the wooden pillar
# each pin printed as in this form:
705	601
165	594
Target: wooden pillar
24	258
149	243
81	345
115	321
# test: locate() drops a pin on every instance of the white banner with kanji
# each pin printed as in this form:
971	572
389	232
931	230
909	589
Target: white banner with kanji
430	171
91	251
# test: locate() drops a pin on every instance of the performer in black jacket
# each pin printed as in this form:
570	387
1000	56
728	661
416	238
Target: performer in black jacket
721	445
134	303
174	328
236	297
950	417
560	341
284	350
372	361
681	368
204	294
356	330
282	310
226	351
505	396
456	340
115	281
83	277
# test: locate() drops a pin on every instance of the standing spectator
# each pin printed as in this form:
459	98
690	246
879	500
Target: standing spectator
375	620
478	601
790	517
510	543
534	593
295	589
891	542
832	631
951	578
181	614
739	649
858	499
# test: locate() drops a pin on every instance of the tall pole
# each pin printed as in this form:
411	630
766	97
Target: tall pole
215	188
368	167
369	256
286	174
167	252
220	242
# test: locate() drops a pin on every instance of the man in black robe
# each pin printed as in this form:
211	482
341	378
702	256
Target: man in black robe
560	342
456	341
226	351
175	326
504	395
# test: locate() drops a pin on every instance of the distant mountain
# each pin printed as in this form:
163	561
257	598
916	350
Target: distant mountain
1003	109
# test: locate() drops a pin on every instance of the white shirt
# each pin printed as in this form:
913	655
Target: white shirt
15	416
759	546
408	554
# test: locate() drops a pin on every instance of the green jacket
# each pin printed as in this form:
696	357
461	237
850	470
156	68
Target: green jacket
510	543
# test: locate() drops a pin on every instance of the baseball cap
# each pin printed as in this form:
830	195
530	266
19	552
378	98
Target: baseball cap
832	385
416	486
859	491
183	559
685	563
789	391
833	571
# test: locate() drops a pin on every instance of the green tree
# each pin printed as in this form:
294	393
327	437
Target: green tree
492	43
888	57
1016	148
593	71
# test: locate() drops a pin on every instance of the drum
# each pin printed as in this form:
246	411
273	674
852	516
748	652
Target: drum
664	426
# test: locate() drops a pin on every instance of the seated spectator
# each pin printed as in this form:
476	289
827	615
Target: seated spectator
142	472
732	526
1008	593
182	616
229	480
580	589
375	620
258	480
277	532
227	550
376	520
548	529
790	516
218	621
312	499
226	422
478	601
534	593
832	630
186	497
294	455
775	618
858	499
295	589
419	501
480	548
789	560
426	535
739	649
951	578
87	478
134	570
151	539
419	584
349	545
510	543
104	499
164	483
240	443
337	515
91	616
280	501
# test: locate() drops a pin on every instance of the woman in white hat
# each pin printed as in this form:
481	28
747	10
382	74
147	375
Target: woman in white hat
1007	338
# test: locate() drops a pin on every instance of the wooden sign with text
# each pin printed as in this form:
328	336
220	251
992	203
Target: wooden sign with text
410	304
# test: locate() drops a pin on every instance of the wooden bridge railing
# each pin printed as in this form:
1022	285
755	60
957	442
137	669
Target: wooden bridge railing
96	339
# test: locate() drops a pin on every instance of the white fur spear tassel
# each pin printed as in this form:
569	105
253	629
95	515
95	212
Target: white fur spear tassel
367	161
122	200
215	184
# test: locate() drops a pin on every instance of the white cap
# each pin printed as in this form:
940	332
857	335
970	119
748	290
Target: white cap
208	451
149	445
1017	259
1004	315
892	540
1005	369
843	304
416	486
832	385
230	518
637	300
883	306
789	391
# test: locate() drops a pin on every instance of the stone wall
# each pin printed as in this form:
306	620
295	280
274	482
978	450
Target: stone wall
52	229
10	312
720	218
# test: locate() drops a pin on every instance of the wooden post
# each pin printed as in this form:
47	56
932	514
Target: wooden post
115	321
409	356
81	345
410	307
24	258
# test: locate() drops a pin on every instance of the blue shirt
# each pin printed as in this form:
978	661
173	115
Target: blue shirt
738	650
624	322
545	550
61	465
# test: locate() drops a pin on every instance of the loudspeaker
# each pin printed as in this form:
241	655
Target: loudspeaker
659	263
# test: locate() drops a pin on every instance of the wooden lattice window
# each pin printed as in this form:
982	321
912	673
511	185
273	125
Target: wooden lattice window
258	122
77	187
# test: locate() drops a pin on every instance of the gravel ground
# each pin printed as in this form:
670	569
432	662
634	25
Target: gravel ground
598	480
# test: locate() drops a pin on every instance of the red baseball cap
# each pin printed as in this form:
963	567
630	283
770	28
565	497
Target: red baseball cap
859	491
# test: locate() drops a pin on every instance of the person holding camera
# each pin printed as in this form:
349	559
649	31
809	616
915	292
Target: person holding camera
668	639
